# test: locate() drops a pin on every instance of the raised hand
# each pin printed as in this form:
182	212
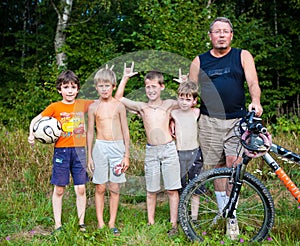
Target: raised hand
181	78
128	71
111	68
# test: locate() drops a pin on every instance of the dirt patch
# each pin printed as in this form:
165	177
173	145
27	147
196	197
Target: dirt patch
28	235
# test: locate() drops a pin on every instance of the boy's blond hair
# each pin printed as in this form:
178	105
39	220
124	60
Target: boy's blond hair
105	75
188	88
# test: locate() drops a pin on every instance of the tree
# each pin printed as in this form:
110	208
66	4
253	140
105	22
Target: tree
39	38
63	17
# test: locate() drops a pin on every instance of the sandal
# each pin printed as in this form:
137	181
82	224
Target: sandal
173	232
57	230
82	228
115	231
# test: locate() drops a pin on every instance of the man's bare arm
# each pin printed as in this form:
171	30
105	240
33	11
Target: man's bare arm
252	81
194	70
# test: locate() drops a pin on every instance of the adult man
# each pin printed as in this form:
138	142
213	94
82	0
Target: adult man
221	73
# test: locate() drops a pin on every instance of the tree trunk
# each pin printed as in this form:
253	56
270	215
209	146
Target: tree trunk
60	36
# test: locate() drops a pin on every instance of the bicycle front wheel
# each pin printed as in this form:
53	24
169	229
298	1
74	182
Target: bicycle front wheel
199	214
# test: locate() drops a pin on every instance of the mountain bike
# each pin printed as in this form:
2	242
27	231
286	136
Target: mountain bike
250	201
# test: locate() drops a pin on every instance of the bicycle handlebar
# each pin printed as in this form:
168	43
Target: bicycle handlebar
254	124
254	136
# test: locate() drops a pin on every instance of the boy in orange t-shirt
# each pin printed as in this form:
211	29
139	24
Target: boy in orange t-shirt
69	150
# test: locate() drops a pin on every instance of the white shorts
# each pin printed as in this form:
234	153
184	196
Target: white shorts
106	155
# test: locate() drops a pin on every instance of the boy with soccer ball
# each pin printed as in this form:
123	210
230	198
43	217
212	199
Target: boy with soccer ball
69	150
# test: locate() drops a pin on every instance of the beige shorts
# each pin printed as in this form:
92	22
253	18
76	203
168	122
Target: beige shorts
218	139
162	159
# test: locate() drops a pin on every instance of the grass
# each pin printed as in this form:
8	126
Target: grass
26	216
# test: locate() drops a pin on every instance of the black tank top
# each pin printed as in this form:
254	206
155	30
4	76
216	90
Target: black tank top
222	85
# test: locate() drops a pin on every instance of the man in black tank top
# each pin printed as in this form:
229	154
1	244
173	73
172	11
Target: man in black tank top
221	73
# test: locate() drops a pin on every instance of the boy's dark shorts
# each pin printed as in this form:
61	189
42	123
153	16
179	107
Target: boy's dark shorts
66	161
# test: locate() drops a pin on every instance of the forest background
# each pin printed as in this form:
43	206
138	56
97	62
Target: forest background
39	38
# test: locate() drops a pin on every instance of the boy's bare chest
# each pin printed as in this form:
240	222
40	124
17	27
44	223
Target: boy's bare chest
155	115
107	111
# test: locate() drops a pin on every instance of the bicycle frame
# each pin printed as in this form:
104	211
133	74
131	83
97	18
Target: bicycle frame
289	155
238	173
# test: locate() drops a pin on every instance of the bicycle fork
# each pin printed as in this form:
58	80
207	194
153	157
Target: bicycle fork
281	174
236	180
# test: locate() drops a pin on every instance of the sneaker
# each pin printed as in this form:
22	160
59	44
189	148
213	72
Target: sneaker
115	232
232	229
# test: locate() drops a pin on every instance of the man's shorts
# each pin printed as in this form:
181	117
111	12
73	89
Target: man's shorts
162	158
69	160
218	139
106	155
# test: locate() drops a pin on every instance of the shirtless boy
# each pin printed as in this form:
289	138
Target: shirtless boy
111	147
184	127
161	154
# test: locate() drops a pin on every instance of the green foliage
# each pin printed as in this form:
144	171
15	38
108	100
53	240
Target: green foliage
162	35
26	211
288	125
171	26
116	32
27	99
137	131
87	50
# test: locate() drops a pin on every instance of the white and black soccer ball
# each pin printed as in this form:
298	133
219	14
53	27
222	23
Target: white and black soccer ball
47	130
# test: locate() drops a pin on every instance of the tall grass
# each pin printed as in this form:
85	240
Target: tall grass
26	216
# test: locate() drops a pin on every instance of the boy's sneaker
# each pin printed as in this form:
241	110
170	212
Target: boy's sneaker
232	229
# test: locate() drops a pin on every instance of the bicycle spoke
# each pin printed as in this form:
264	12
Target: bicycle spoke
255	209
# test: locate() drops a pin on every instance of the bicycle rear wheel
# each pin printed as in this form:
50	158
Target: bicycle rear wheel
255	211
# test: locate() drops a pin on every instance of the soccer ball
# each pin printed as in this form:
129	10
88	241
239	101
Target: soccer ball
47	130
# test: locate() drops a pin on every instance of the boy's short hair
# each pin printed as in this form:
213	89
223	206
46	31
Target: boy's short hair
155	75
66	77
188	88
105	75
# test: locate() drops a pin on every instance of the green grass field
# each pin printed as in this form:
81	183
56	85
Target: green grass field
26	216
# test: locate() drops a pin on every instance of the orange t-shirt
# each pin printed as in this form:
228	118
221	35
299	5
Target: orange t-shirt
71	117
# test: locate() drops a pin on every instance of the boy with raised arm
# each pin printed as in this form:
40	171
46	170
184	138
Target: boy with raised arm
161	154
111	147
